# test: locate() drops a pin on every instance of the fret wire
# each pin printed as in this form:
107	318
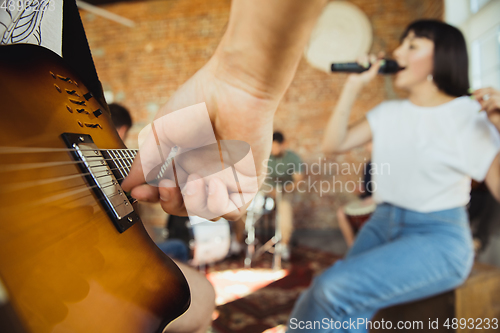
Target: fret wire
118	162
133	153
130	156
122	162
127	160
107	159
120	153
111	152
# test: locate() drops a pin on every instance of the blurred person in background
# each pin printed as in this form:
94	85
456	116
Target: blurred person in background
284	172
121	119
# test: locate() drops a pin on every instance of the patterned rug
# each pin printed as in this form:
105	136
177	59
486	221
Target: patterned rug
259	299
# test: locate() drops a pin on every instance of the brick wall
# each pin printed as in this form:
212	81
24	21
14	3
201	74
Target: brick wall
172	39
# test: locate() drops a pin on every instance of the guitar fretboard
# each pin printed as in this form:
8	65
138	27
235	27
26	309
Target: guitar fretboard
120	161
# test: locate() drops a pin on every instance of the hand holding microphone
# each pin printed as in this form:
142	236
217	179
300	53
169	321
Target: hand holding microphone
364	70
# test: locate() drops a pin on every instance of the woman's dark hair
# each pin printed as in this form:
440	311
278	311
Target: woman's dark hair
451	63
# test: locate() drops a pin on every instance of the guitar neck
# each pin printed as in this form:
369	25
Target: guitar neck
120	161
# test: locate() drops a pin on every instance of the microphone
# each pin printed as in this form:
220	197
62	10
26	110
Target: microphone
387	67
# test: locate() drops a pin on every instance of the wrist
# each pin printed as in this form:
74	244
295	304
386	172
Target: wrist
262	46
234	67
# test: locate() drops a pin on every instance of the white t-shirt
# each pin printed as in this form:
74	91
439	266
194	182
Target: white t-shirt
36	22
424	157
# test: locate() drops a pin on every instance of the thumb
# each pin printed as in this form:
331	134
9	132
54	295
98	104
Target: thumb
136	175
375	67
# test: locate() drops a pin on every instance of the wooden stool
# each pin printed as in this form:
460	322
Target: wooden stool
477	299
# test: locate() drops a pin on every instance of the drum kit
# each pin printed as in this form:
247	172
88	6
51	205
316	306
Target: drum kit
210	241
262	209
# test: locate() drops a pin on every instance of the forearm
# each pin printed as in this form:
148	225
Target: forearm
264	42
336	129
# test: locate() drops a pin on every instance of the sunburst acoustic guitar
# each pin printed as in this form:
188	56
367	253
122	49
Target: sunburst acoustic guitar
74	255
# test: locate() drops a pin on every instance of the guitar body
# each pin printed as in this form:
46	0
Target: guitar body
63	263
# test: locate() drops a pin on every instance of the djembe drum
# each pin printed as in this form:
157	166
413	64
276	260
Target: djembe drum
358	212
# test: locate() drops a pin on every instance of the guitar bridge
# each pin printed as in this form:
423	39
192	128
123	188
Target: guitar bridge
102	180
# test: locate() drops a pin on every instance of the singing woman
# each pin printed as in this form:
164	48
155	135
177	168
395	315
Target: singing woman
417	243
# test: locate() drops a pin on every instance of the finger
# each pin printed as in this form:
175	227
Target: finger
238	212
492	104
135	177
218	199
482	103
154	149
146	193
494	118
480	93
375	67
194	193
171	198
372	58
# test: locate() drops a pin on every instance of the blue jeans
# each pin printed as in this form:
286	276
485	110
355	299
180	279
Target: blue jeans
175	249
398	256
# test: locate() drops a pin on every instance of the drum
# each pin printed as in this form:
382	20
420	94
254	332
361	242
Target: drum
358	212
208	241
260	205
211	240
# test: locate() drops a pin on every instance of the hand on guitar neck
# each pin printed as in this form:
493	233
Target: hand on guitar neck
235	114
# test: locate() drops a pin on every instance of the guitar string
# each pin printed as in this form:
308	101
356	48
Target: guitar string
25	166
15	167
61	196
125	167
26	206
19	186
82	188
16	150
122	163
65	195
